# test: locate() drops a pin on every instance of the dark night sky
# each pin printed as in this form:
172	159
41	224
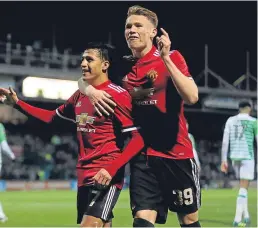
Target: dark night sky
229	28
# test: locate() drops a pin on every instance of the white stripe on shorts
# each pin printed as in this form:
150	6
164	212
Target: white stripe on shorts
107	205
195	173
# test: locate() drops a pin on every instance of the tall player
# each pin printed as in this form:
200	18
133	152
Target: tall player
4	148
238	139
160	84
97	136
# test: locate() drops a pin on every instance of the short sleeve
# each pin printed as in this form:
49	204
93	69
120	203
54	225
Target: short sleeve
180	63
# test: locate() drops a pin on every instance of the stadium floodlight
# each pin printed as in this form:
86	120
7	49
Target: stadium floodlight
58	89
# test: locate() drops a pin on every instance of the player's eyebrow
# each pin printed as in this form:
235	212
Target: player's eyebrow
137	24
87	57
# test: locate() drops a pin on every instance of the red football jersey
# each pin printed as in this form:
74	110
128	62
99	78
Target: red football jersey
159	112
97	135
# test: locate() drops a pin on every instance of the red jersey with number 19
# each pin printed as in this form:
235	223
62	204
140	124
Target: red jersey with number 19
97	135
158	109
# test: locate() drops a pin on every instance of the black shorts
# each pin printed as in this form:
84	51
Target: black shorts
160	184
97	203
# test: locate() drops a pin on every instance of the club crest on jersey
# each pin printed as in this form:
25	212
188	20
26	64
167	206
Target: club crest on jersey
152	75
84	118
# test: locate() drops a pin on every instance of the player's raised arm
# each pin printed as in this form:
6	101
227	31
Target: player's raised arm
11	97
185	86
44	115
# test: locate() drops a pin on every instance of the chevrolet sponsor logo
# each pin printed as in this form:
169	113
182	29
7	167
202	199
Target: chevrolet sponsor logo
84	118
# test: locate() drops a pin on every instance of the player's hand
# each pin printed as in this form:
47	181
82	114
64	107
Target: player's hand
102	177
224	167
101	101
163	43
8	96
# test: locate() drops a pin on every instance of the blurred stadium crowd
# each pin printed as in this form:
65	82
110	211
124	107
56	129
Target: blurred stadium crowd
55	159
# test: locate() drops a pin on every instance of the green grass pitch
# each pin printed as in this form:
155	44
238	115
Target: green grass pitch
58	208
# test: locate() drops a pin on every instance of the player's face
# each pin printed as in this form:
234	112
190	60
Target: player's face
139	32
92	65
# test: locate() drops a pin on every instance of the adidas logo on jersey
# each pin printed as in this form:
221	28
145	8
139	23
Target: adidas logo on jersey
79	104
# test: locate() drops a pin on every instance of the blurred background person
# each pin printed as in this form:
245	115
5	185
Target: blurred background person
4	148
239	133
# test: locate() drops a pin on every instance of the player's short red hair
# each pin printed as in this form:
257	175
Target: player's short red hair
138	10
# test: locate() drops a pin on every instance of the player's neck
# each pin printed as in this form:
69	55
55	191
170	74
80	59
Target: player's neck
141	53
99	80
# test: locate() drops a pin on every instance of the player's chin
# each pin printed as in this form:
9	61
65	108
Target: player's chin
86	77
133	45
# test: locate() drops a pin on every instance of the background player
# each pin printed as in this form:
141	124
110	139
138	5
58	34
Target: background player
191	137
238	139
159	83
4	148
97	136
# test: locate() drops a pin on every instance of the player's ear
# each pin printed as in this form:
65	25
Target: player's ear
153	33
105	65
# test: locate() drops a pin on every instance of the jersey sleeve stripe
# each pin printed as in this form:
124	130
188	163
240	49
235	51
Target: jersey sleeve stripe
116	88
63	117
130	129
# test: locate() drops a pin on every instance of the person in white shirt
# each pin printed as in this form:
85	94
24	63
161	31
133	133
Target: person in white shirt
4	148
238	139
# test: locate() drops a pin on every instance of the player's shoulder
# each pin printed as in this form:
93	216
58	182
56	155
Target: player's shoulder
232	118
76	93
118	93
116	90
73	99
176	55
253	119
